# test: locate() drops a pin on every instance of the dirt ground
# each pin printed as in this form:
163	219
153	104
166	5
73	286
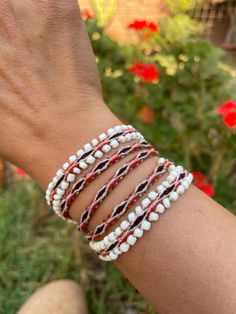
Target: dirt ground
127	11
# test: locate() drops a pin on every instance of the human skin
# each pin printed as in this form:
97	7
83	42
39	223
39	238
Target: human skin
51	104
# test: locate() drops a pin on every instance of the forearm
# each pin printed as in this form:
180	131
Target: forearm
186	263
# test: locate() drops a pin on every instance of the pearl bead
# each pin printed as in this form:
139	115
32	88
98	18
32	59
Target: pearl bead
139	211
131	240
106	148
102	136
80	153
161	161
112	236
94	142
113	256
57	197
118	128
114	143
128	137
160	189
117	251
51	185
110	131
160	208
121	139
179	168
175	174
70	177
152	195
124	247
66	165
64	185
185	184
146	225
56	203
118	231
83	165
132	217
76	170
190	178
180	190
106	241
98	154
90	160
124	225
55	179
87	147
153	217
60	173
171	167
166	202
166	184
72	158
170	178
60	191
146	202
138	232
174	196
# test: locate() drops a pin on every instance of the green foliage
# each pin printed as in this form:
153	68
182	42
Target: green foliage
37	247
194	81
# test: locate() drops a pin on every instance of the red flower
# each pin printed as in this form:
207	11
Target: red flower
21	172
144	26
146	114
228	111
202	185
147	72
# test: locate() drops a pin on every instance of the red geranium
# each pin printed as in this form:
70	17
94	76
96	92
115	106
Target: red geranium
228	111
147	72
21	172
200	182
140	25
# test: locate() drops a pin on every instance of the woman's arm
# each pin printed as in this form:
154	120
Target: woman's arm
51	104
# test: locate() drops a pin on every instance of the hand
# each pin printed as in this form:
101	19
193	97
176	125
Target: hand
49	81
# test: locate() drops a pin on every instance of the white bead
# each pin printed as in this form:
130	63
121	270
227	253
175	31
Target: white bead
146	225
76	170
152	195
153	217
112	236
110	131
64	185
87	147
57	197
90	160
175	174
70	177
166	202
185	184
102	136
132	217
124	247
170	178
60	173
128	137
106	148
113	256
131	240
118	231
179	168
60	191
80	152
146	202
180	190
133	136
161	161
98	154
56	203
118	128
160	208
94	142
166	184
121	139
83	164
72	158
106	241
91	245
171	167
190	177
123	127
124	225
129	126
55	179
114	143
117	251
138	210
174	196
160	189
138	233
102	245
51	186
66	165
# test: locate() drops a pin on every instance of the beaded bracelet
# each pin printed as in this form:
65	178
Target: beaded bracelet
143	222
110	185
83	182
77	163
122	207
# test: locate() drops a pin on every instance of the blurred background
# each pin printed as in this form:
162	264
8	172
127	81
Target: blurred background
168	68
